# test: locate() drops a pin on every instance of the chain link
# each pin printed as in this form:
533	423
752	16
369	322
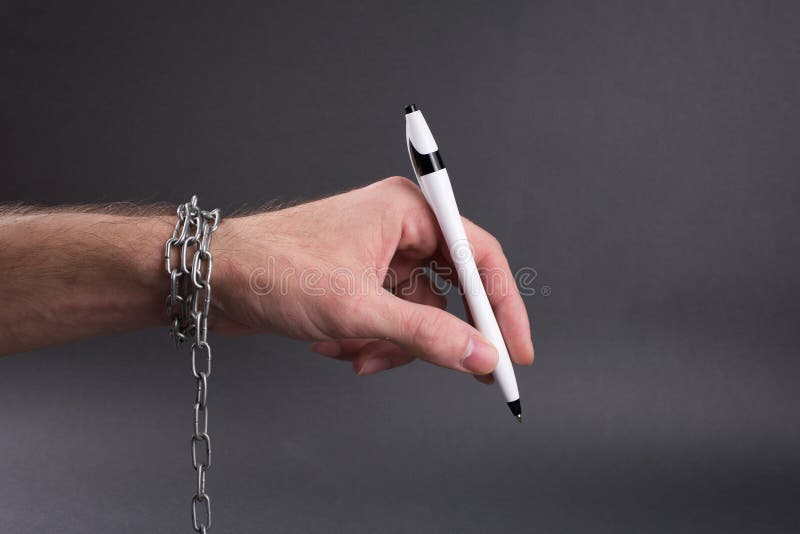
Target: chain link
188	305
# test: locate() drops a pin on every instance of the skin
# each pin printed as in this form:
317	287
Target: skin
344	272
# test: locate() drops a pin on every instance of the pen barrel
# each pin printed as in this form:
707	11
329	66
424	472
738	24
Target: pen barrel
439	193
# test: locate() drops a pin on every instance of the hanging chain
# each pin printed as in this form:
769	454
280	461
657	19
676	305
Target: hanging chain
188	304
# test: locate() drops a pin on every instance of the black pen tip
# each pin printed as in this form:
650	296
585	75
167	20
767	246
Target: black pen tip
516	408
411	108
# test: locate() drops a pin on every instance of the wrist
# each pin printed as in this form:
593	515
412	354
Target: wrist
199	270
244	250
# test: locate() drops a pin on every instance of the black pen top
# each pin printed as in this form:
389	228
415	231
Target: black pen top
411	108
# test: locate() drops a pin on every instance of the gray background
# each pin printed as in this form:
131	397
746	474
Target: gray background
643	158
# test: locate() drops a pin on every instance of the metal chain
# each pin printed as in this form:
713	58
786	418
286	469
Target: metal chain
188	304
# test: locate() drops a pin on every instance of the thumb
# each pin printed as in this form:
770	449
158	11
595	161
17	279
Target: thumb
429	333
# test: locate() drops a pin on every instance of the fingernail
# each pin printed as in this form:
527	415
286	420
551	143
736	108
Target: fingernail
375	365
485	379
480	358
327	348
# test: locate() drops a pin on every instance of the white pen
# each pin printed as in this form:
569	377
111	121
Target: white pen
435	184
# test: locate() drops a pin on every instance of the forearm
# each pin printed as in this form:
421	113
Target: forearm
72	275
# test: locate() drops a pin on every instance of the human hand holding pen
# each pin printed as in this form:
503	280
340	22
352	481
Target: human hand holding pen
74	273
344	272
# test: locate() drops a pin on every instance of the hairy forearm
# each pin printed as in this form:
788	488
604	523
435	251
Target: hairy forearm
71	275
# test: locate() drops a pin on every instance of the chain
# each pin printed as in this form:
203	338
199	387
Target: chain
188	304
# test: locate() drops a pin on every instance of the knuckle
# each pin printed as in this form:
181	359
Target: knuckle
495	244
407	196
398	181
488	248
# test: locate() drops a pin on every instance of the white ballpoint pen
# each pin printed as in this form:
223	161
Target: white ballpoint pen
435	184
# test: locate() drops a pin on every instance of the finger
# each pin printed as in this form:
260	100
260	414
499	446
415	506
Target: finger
362	351
372	356
508	306
339	349
418	289
380	355
419	235
485	379
448	273
426	332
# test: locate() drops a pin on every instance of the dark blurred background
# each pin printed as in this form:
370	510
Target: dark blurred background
642	157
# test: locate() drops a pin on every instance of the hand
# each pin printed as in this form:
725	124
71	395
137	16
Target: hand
347	273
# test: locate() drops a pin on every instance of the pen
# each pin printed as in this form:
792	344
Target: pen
435	184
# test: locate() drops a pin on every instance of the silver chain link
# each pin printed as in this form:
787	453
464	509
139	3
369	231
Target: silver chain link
188	304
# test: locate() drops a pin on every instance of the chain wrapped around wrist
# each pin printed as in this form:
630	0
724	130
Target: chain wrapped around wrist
188	262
